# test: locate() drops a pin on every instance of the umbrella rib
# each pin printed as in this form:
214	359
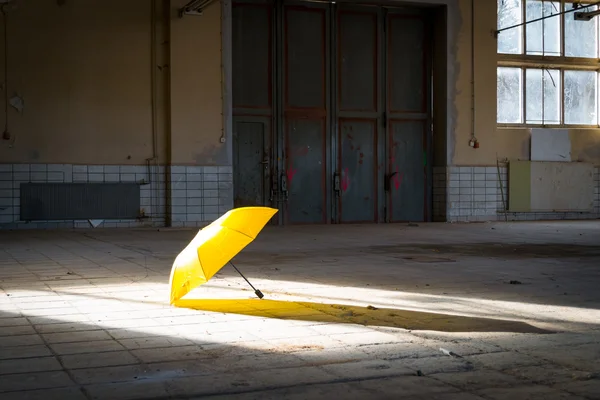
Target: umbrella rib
240	232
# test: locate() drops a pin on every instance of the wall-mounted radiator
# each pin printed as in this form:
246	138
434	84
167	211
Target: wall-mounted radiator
79	201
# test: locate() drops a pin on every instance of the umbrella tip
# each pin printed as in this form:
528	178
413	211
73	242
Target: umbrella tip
259	294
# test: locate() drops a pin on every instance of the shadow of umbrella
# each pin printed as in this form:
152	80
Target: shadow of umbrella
346	314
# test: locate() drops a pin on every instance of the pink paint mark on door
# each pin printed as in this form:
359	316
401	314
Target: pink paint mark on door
345	180
290	174
398	178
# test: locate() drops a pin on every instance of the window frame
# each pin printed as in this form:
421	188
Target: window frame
560	62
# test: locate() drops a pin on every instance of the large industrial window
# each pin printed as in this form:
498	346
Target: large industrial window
548	69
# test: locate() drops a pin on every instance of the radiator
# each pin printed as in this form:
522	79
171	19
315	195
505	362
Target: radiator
74	201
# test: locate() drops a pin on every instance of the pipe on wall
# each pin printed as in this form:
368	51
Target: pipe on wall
473	70
6	133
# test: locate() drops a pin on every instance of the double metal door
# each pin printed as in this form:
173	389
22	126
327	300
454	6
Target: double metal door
331	109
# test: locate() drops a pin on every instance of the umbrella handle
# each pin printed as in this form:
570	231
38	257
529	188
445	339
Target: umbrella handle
257	292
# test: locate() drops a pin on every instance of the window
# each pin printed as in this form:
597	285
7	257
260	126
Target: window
547	69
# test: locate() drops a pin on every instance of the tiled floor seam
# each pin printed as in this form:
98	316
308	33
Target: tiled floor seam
60	362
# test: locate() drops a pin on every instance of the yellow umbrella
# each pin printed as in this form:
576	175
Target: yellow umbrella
214	246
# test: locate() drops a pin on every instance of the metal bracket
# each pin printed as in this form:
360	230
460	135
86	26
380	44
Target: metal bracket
387	183
194	7
337	187
586	16
284	188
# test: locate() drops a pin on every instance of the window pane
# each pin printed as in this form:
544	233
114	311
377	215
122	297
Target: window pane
510	89
543	37
534	91
581	37
580	97
552	95
542	96
510	13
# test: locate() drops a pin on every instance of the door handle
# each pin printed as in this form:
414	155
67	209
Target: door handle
387	184
284	188
337	187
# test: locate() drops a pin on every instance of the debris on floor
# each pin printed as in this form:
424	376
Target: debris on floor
449	353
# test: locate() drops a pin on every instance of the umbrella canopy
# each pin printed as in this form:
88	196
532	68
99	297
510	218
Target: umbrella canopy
214	246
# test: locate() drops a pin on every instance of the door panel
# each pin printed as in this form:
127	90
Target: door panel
305	57
357	61
305	113
408	114
406	64
358	169
251	161
252	98
358	113
251	56
408	178
305	171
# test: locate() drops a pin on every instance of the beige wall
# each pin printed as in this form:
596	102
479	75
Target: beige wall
196	87
503	143
83	70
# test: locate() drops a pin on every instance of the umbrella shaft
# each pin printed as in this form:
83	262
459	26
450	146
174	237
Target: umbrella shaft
242	275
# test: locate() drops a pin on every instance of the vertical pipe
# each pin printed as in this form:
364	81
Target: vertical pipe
150	162
153	92
226	78
472	69
5	134
166	16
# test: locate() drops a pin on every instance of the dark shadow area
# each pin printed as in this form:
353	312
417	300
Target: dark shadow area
495	250
368	316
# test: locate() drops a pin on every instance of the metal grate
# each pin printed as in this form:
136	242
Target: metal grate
72	201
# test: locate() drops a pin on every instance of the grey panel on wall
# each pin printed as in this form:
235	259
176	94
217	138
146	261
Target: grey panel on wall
559	186
550	145
358	167
75	201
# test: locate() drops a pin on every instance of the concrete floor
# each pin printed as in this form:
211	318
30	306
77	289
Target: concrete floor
351	312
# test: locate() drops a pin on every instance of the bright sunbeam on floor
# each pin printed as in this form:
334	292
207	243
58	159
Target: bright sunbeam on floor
128	305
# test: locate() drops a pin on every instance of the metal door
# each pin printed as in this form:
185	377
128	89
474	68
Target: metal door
358	114
252	103
408	117
338	99
305	113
